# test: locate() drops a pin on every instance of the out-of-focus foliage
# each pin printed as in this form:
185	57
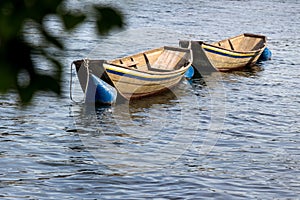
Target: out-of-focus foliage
16	54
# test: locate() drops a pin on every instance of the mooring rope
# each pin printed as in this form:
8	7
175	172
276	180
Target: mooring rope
71	82
86	65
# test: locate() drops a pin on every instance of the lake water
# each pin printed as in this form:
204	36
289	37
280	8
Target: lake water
224	136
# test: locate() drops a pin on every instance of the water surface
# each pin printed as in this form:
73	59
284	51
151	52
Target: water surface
227	136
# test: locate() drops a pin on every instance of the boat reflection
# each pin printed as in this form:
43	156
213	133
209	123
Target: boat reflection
141	134
250	71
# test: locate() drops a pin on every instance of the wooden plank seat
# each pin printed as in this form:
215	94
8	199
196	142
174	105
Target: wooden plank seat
129	64
165	62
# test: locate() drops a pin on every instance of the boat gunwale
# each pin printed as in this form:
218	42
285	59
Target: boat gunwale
149	76
109	65
230	53
145	74
238	51
186	50
233	51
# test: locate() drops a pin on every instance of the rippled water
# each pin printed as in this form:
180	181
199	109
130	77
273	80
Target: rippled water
226	136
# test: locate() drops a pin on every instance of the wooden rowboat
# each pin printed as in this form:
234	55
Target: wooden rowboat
232	53
136	76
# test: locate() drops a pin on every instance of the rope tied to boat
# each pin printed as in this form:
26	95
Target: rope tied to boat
86	65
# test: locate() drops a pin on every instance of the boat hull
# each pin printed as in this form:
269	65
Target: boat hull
227	55
132	77
150	72
226	60
133	85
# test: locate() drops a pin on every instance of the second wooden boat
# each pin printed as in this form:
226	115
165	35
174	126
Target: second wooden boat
233	53
136	76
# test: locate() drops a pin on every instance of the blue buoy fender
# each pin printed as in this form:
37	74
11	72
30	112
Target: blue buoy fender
98	91
189	73
266	55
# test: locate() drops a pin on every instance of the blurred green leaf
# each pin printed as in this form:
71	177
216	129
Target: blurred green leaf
16	54
71	20
57	73
26	93
51	38
6	78
107	19
47	83
10	20
38	82
38	9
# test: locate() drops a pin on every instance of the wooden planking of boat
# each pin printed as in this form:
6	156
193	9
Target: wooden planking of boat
132	77
232	53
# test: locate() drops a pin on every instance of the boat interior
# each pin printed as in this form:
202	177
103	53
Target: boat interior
160	59
244	42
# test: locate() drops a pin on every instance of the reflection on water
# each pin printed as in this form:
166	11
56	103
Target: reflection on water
250	71
144	134
224	136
